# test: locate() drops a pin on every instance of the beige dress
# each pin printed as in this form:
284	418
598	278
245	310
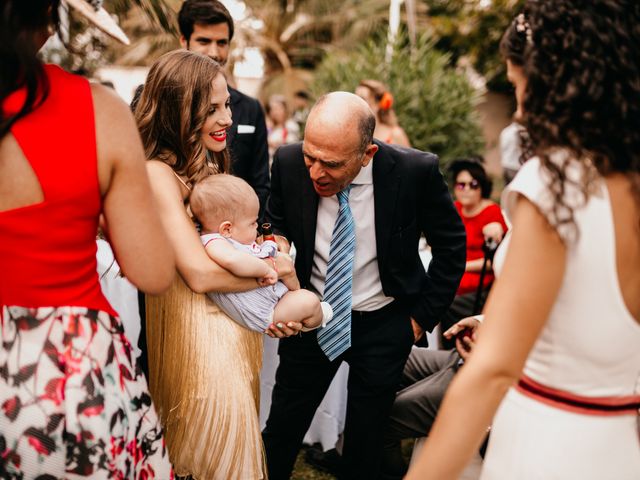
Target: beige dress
204	378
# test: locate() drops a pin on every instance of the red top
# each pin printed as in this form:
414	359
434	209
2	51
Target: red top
48	250
473	226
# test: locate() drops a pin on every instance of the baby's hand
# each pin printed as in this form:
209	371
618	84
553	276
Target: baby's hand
269	279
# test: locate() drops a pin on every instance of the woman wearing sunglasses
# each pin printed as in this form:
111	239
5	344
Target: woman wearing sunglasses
483	221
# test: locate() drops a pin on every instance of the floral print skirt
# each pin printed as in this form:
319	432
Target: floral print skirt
72	403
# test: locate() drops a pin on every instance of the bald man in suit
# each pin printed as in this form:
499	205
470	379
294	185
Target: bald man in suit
394	195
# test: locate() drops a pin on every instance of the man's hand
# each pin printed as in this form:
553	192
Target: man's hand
286	271
281	330
311	324
270	278
418	331
283	244
464	343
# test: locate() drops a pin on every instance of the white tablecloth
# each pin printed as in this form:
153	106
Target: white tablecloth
120	293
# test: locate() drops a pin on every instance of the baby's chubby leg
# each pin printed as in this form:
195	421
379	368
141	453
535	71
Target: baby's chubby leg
299	306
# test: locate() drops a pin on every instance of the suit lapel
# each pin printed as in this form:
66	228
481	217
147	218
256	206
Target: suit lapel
233	130
386	184
308	216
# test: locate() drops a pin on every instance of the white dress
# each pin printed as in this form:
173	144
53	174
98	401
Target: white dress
589	347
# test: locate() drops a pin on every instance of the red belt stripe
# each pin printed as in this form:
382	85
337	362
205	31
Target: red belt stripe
575	403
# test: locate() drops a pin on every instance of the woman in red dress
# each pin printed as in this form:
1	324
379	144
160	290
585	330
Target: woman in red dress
73	404
483	222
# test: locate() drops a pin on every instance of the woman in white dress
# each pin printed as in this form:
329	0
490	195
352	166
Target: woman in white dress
558	356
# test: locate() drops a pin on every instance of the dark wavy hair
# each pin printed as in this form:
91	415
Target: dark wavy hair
582	63
512	47
514	39
20	21
473	165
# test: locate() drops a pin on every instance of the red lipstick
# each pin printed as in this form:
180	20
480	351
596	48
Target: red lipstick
219	135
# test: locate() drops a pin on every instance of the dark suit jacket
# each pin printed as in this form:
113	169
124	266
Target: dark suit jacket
248	150
410	198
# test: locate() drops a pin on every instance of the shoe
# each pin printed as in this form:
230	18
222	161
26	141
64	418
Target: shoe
328	462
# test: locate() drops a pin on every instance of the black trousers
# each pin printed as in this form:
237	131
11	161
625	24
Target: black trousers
380	344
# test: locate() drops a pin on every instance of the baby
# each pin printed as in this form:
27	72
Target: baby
227	208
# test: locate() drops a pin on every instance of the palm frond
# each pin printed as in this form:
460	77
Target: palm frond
159	12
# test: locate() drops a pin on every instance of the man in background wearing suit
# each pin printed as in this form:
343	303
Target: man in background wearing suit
206	27
355	209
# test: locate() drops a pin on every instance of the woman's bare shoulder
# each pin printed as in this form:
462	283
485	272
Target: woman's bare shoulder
158	167
164	179
108	103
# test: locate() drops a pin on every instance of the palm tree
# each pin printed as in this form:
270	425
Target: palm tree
149	23
294	34
297	33
473	29
151	26
159	12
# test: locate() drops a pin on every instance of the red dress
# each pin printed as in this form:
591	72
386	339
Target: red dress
73	404
475	240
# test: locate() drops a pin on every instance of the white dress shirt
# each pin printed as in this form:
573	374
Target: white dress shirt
367	294
510	148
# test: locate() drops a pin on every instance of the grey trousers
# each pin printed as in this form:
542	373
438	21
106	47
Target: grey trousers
425	378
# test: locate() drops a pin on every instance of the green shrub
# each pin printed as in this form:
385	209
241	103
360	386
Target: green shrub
434	103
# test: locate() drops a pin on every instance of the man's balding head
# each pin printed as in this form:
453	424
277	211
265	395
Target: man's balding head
338	141
337	114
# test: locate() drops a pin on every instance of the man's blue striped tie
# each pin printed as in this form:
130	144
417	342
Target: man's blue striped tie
335	338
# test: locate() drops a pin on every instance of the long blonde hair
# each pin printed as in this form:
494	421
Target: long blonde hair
172	110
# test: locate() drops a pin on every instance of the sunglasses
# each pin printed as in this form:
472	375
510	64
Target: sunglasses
473	185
